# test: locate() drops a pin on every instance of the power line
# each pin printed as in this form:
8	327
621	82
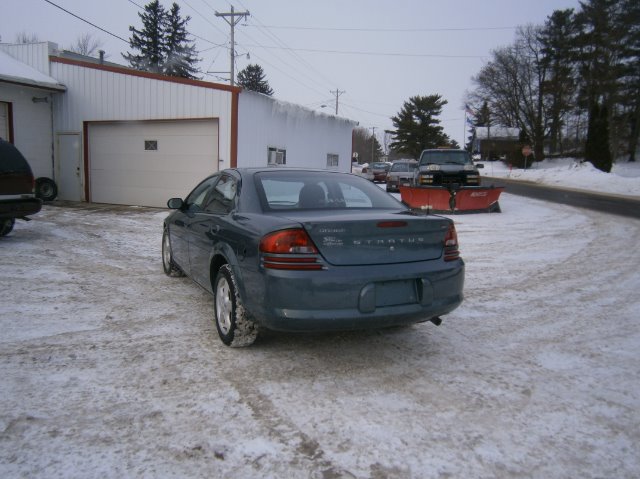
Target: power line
230	18
87	21
290	50
291	69
389	30
355	52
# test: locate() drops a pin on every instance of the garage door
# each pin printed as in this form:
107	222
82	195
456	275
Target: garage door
146	163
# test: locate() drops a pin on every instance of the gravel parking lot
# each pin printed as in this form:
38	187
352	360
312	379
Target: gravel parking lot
111	369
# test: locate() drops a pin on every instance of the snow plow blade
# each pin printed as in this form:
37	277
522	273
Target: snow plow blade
452	199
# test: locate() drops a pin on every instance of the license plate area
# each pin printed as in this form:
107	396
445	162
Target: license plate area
394	293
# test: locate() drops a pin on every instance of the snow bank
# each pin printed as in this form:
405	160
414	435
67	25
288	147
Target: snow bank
624	178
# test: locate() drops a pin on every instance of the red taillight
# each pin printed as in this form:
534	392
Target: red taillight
288	241
289	249
451	251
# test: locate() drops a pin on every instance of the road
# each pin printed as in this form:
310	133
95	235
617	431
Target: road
614	204
110	369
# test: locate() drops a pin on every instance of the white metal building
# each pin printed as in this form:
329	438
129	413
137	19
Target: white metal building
111	134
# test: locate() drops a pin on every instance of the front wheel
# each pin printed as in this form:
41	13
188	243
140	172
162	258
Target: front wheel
6	225
235	328
168	265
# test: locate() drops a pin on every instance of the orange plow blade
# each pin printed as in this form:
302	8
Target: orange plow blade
440	199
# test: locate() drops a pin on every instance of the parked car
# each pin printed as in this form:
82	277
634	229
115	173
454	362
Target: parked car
444	167
362	170
305	250
17	198
400	173
380	170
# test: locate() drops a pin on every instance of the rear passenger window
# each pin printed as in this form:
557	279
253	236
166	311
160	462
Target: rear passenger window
222	197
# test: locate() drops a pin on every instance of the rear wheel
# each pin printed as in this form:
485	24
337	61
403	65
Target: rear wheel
46	189
6	225
168	265
235	328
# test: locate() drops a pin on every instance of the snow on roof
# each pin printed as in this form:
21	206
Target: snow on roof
14	71
496	132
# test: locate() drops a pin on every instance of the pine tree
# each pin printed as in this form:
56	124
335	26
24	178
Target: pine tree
597	146
417	126
180	54
163	43
600	45
558	38
149	41
631	79
253	78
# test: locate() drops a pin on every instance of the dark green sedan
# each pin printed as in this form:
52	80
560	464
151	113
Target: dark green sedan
310	250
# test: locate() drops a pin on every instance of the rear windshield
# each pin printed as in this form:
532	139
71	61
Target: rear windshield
11	161
301	190
380	166
444	157
403	167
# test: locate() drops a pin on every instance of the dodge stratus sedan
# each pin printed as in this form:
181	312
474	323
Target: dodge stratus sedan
302	250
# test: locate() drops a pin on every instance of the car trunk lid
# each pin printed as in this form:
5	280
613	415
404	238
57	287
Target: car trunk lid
361	238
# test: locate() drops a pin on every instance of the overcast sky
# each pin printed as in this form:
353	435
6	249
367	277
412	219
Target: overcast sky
376	53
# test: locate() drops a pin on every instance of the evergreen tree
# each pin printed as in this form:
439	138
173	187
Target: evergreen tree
597	148
600	44
631	80
253	78
149	41
163	43
417	126
180	54
557	38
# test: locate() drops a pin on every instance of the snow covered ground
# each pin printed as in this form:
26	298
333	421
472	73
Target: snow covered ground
624	178
110	369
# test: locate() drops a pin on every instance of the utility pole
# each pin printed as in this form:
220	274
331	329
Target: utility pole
337	93
233	22
373	143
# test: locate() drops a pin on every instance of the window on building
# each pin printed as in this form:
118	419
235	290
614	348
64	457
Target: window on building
332	160
4	121
277	156
151	145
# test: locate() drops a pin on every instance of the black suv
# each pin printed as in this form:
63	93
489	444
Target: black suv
17	199
445	167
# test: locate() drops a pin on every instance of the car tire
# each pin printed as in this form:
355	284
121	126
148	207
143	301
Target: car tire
233	323
168	265
46	189
6	225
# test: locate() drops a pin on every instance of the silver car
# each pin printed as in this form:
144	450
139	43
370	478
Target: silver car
401	174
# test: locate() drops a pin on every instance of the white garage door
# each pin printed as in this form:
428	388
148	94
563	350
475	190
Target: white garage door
146	163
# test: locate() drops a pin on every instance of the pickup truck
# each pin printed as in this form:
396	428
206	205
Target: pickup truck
445	167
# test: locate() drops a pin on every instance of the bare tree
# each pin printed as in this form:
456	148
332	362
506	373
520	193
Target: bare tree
512	83
87	45
24	37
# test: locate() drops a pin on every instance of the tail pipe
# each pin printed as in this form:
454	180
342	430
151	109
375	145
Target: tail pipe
437	320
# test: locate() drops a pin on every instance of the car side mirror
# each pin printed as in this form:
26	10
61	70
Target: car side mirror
175	203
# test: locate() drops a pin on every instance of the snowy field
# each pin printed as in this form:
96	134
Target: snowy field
110	369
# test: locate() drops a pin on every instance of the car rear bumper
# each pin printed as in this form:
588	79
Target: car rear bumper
350	298
19	207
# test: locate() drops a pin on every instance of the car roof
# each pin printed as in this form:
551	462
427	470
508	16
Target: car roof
444	150
261	169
